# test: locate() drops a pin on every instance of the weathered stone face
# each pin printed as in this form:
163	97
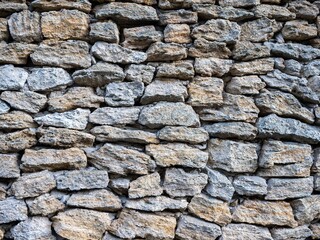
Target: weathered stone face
141	37
44	205
12	78
235	231
148	185
47	5
12	210
15	52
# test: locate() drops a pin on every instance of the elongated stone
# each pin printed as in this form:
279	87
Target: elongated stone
104	31
16	120
239	3
306	209
180	69
17	141
183	134
121	160
9	166
203	48
115	116
44	205
180	16
246	50
250	185
48	5
301	232
276	12
12	78
159	51
304	9
299	30
235	231
7	6
12	210
144	186
140	73
259	66
247	85
15	52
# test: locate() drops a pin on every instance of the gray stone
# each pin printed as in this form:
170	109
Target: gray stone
126	12
120	185
245	50
164	90
82	179
74	119
9	166
166	113
312	69
177	154
140	73
219	185
239	3
306	209
314	84
123	94
140	37
102	200
111	52
145	186
298	233
299	30
179	16
247	85
115	116
26	101
238	130
157	204
183	134
15	52
7	6
104	31
304	9
33	228
177	33
276	12
245	231
203	48
191	228
44	205
258	66
212	66
292	67
65	54
218	30
48	5
4	33
33	184
12	210
12	78
16	120
250	185
17	141
315	228
121	160
159	51
99	75
4	107
181	70
287	128
179	183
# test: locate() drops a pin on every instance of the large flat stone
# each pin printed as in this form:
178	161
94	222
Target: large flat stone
18	140
245	231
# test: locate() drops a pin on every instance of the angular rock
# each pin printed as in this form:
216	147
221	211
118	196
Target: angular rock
133	224
312	69
81	223
177	33
33	228
234	108
179	16
4	33
12	210
24	26
292	67
212	66
168	4
259	66
121	160
250	185
26	101
65	24
283	104
247	85
82	179
12	78
148	185
8	6
245	231
4	107
205	91
75	97
238	130
16	120
181	70
33	184
239	3
115	116
301	232
140	37
179	183
123	94
126	12
111	52
102	200
287	128
157	204
17	141
74	119
245	51
203	48
53	160
15	52
306	209
276	12
9	166
120	185
183	134
44	205
166	113
218	30
210	209
190	228
299	30
99	75
304	9
104	31
265	213
315	228
140	73
65	54
166	52
48	5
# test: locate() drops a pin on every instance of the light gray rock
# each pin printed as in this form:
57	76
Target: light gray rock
219	185
99	75
180	69
179	183
312	69
301	232
104	31
12	78
306	209
123	94
203	48
287	128
12	210
33	228
17	141
292	67
145	186
44	205
120	185
82	179
212	66
179	16
177	33
4	107
193	228
16	120
250	185
74	119
33	184
304	9
276	12
159	51
164	90
115	116
258	66
314	83
7	6
238	130
245	231
111	52
166	113
183	134
9	166
121	160
140	73
239	3
48	5
15	52
247	85
246	50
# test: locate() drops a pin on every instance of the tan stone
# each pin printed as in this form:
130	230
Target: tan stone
259	66
55	5
183	134
17	141
16	120
179	16
177	33
15	53
148	185
44	205
9	166
166	52
299	30
245	85
203	48
4	33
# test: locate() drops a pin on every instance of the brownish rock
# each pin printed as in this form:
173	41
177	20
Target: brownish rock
166	52
299	30
16	120
17	141
55	5
177	33
203	48
259	66
15	53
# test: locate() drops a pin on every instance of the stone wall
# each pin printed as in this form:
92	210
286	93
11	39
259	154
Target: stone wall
159	119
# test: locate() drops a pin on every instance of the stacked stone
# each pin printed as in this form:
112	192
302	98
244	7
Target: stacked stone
168	119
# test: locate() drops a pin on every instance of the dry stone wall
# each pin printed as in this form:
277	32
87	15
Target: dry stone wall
159	119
